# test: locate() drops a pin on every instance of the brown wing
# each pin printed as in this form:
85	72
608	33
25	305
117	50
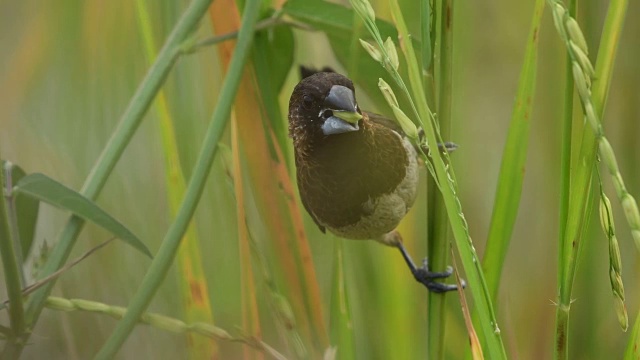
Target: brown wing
385	121
304	198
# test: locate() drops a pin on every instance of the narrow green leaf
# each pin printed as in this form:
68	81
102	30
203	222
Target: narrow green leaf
509	189
271	71
426	35
279	54
41	187
331	18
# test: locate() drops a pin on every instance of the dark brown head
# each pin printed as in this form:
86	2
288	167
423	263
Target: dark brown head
321	105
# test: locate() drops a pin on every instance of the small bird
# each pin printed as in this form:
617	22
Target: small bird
357	172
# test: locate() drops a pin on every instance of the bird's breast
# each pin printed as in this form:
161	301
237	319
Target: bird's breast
360	185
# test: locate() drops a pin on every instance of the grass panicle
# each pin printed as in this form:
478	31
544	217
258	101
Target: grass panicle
615	261
583	73
592	100
161	322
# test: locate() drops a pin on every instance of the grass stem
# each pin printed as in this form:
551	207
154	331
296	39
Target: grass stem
11	267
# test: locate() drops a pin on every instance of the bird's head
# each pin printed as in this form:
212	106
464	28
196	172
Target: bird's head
322	105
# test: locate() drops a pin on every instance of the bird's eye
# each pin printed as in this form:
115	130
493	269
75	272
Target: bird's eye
327	114
307	102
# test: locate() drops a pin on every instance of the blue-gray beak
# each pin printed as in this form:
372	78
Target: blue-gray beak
342	103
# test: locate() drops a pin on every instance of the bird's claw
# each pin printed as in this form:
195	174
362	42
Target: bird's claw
422	274
427	278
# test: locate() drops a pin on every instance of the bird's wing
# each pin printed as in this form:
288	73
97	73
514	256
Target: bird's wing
385	121
305	201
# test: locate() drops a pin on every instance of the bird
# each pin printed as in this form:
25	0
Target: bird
357	172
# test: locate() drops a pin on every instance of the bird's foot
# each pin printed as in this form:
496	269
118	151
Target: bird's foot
428	278
445	146
422	274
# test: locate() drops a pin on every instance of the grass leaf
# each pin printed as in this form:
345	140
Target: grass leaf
41	187
509	189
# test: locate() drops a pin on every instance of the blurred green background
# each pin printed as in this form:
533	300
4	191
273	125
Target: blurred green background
68	69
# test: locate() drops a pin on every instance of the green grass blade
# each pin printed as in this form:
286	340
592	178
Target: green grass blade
271	72
41	187
161	264
426	35
129	122
193	284
509	189
565	157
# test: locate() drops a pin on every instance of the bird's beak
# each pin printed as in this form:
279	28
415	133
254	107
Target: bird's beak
342	103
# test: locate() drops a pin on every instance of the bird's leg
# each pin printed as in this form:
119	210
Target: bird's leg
421	274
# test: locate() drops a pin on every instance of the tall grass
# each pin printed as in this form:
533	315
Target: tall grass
275	285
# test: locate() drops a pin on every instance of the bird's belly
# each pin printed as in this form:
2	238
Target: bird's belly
383	214
386	215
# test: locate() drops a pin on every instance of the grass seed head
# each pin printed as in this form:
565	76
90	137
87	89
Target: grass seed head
372	50
616	283
636	237
630	208
582	59
558	18
407	125
388	93
621	312
614	254
608	156
390	47
579	80
605	212
575	34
